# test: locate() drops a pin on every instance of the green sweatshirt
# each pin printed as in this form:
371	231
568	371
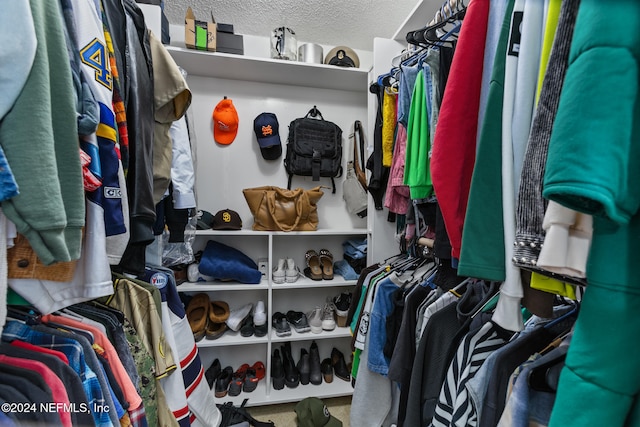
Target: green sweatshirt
40	139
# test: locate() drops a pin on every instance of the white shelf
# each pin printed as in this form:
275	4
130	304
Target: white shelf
305	282
259	396
266	70
248	232
231	338
309	336
221	286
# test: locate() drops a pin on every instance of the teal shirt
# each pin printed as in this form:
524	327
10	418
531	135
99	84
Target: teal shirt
593	164
482	253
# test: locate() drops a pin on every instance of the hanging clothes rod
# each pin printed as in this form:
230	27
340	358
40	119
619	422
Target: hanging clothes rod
450	11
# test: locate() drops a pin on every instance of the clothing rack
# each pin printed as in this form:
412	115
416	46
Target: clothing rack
450	11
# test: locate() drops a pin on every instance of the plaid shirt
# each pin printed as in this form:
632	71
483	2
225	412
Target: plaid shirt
73	350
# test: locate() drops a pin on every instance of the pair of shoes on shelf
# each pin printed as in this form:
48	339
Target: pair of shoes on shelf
342	303
245	378
285	271
323	318
283	369
319	265
206	317
298	320
237	317
255	324
280	323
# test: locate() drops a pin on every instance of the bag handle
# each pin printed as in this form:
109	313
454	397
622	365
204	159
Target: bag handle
272	210
314	112
357	144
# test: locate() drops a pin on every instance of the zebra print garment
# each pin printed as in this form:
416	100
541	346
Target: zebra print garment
455	407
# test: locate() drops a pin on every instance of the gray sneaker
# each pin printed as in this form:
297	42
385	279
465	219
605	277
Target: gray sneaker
298	320
314	318
328	316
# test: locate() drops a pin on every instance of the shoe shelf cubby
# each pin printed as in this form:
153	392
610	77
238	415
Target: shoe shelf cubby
302	295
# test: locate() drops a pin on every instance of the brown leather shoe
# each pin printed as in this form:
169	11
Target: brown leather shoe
213	331
219	312
198	314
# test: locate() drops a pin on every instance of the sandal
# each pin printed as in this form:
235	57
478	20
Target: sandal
313	262
198	314
326	260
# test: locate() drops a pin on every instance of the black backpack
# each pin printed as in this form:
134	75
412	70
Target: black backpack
314	148
232	415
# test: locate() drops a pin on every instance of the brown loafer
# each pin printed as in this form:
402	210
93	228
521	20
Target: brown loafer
198	314
214	331
219	312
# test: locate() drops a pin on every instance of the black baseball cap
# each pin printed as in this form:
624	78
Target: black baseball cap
227	219
267	131
205	220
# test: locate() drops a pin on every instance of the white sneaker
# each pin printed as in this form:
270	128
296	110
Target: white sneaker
259	314
194	275
237	316
314	317
279	273
292	272
328	317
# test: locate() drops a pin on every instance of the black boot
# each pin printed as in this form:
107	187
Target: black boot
291	374
315	374
340	369
277	371
212	373
303	367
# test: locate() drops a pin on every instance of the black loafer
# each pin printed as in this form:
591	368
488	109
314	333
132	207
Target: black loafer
247	329
222	382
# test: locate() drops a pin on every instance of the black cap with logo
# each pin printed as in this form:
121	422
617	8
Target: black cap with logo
227	219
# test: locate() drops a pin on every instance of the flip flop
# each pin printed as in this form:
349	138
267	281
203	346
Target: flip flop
326	260
313	262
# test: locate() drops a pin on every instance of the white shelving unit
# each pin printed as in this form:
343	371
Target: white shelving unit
288	89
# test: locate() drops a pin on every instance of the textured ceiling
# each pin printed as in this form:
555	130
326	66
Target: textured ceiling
330	22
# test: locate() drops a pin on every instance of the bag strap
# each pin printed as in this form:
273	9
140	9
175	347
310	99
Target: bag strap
358	138
314	112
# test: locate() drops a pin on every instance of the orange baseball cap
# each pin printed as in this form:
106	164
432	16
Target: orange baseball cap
225	122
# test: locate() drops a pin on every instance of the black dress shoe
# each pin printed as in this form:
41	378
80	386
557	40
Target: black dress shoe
291	374
315	374
222	382
303	367
212	373
340	369
277	371
327	370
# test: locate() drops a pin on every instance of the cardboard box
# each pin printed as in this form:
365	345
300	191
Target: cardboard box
199	35
230	43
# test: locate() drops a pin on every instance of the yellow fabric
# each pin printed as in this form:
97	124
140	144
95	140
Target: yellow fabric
388	126
547	284
553	14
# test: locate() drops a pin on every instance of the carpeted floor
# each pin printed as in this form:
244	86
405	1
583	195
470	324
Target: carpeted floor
284	415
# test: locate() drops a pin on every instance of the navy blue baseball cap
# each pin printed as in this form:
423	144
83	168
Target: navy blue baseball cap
267	131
